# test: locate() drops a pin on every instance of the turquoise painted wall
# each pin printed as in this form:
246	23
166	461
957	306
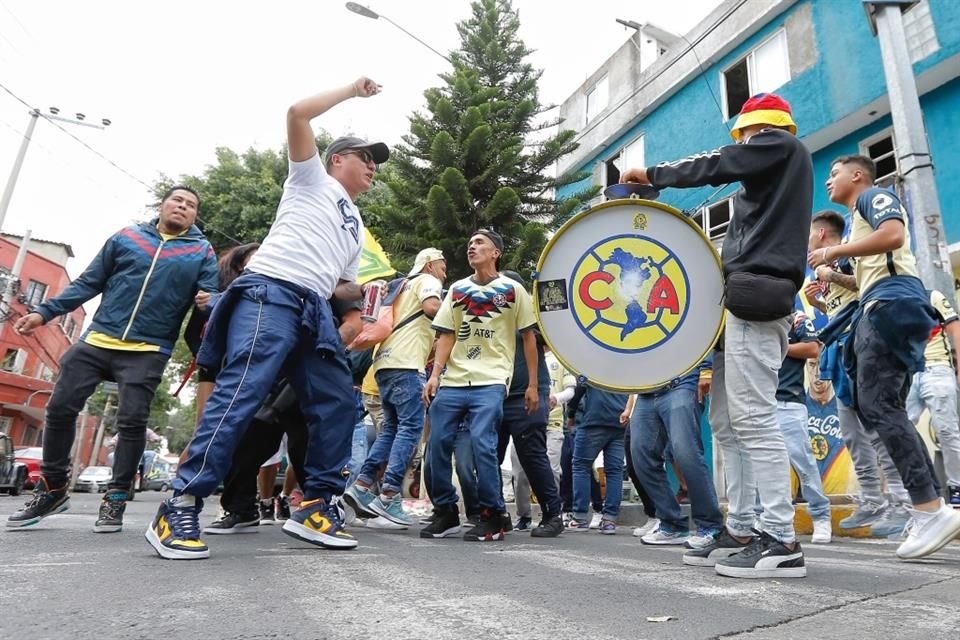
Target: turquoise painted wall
847	74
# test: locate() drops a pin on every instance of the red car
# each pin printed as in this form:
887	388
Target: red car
31	457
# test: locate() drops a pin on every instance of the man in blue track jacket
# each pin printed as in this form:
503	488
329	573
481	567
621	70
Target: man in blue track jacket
149	276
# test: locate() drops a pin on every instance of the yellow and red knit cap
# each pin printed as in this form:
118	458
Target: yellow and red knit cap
764	108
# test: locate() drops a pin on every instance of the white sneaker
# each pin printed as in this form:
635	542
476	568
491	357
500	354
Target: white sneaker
661	537
596	520
929	532
822	531
650	526
384	524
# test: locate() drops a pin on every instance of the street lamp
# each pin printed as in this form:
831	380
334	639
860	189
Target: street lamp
367	12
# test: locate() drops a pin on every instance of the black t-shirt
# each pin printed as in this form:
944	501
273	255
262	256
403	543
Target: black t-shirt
790	387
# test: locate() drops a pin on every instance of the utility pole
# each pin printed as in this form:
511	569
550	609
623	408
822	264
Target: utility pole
11	283
15	172
80	119
110	388
915	162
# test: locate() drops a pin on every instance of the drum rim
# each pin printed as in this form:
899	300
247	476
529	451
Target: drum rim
565	227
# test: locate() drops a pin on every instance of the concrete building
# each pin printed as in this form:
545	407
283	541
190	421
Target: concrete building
818	54
30	364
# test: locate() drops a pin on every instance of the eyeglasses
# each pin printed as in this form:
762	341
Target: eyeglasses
364	154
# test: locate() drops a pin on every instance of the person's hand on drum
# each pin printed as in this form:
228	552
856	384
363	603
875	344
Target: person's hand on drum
637	176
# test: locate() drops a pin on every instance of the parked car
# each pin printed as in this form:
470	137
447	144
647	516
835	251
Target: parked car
13	474
159	478
94	479
31	457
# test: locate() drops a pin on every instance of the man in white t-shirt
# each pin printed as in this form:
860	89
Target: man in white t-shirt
398	367
276	318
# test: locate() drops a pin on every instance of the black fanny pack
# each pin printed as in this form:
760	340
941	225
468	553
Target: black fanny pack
760	298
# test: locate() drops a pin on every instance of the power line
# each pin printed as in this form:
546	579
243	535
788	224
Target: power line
108	160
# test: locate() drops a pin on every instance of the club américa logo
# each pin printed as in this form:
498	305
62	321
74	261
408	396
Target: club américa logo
630	293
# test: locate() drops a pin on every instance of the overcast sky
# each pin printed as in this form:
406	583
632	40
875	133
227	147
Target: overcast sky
179	78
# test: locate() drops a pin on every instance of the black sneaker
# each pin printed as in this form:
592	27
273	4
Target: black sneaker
283	508
723	546
232	523
267	515
490	528
506	521
445	524
473	519
111	512
765	557
522	524
428	520
44	503
550	527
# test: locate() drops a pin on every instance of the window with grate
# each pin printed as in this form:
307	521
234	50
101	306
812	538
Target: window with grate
882	149
920	32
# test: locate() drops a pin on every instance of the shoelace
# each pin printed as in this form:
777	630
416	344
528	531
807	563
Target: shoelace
113	509
184	523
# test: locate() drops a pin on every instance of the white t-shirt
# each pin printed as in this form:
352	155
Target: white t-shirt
317	237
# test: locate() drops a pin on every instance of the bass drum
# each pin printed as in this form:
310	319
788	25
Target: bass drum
629	295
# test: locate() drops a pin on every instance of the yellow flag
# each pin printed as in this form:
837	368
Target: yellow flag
374	263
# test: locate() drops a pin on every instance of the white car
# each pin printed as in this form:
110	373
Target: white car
94	479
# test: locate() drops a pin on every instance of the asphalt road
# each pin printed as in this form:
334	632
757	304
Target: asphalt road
61	580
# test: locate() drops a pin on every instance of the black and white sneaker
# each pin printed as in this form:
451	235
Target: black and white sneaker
283	508
45	502
723	546
232	523
549	527
523	523
492	527
267	515
765	557
445	524
110	519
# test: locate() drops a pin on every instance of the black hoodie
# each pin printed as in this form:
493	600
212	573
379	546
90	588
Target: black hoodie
770	226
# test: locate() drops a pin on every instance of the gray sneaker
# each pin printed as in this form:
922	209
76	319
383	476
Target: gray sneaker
892	524
866	514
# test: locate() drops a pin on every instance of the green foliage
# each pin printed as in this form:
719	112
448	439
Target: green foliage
469	161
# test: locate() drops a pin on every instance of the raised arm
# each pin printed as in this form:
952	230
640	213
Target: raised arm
300	138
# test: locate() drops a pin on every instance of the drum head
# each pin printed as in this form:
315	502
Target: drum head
629	295
631	190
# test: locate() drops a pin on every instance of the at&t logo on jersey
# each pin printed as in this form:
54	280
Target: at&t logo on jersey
630	293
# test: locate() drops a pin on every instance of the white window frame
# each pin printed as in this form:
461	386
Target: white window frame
888	179
6	424
750	59
714	231
602	82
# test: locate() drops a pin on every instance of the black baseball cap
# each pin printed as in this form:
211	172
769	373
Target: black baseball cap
378	150
492	236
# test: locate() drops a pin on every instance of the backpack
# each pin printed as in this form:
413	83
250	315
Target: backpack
374	333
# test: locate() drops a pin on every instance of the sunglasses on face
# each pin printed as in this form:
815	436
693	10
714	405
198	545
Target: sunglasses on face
364	155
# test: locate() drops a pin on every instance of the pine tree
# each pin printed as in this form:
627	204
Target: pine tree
470	161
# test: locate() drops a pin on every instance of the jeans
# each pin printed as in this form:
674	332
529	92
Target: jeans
566	478
401	393
270	328
936	390
521	488
466	471
673	417
743	416
589	442
882	386
648	509
871	460
82	368
529	434
793	422
481	407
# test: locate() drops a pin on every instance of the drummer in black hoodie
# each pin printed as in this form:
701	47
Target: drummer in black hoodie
764	266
